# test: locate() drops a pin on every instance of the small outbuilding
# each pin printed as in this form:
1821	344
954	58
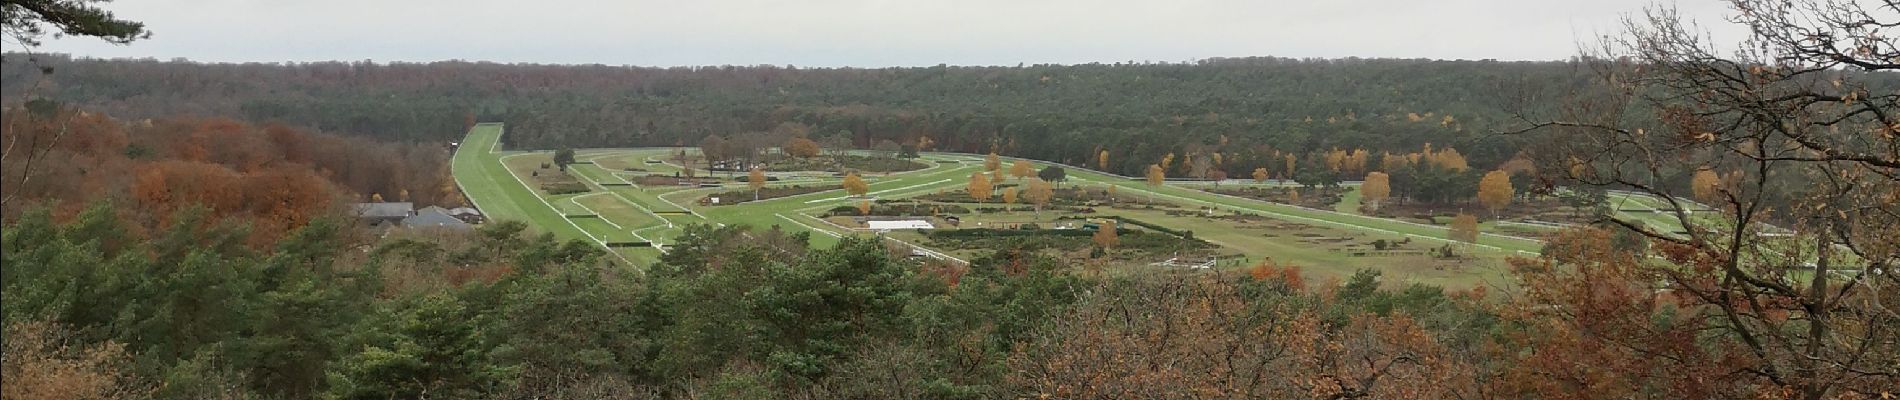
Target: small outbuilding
383	214
434	217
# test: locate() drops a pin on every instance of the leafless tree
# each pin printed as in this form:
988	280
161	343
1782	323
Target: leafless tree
1796	269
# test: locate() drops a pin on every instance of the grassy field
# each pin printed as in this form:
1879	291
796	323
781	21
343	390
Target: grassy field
478	170
1301	214
613	211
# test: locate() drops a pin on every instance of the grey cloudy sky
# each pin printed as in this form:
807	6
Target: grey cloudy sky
866	32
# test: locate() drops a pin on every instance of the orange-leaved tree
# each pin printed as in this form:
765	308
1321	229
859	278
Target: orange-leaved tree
1464	228
1106	237
1494	191
1040	193
756	181
801	147
979	186
1021	169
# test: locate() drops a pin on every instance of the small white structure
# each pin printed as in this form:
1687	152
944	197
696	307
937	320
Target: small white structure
904	224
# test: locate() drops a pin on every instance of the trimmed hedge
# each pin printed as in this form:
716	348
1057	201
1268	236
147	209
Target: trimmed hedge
1184	234
986	232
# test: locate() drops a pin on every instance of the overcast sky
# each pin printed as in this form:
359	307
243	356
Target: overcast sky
866	33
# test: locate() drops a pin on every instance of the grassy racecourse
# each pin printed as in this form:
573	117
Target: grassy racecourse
496	181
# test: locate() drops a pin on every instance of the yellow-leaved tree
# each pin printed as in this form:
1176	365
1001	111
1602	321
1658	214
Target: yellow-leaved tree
855	185
1260	175
979	186
1376	188
1464	228
1021	169
1494	191
1106	237
1101	160
992	162
1706	185
756	181
1009	195
1040	193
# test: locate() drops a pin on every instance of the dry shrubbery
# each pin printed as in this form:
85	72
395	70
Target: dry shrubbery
43	361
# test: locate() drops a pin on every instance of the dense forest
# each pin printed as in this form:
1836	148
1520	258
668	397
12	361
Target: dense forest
275	177
1244	107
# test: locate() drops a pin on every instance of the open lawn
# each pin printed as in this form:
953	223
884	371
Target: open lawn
478	170
1329	242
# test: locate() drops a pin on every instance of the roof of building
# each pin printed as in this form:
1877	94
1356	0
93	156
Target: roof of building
433	218
464	211
905	224
384	210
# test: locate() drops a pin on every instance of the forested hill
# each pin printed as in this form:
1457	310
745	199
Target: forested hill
1055	112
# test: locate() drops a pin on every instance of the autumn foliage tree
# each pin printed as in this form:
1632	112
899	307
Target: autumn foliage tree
1269	344
46	361
801	147
276	177
979	186
1464	228
1009	195
1706	185
1040	192
992	162
1792	282
1105	237
1022	169
1494	191
855	185
756	181
1375	189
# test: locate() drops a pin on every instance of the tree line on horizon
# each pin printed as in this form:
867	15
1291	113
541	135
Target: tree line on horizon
1061	113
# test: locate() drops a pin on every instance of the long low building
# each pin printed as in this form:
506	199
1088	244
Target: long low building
903	224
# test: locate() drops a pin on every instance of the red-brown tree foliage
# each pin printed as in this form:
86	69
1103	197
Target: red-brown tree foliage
275	177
